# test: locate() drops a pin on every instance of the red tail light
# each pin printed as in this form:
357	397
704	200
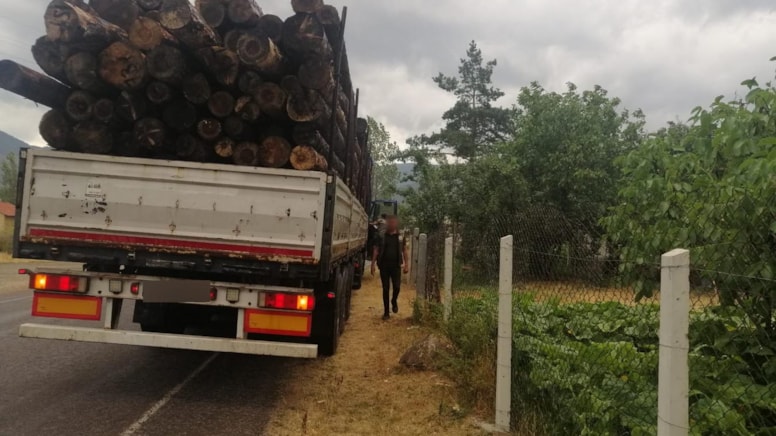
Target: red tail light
58	283
304	303
134	288
213	294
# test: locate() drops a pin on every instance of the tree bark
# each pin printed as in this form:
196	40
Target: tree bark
82	71
247	109
183	20
103	110
330	19
180	115
51	57
196	89
306	6
55	129
303	105
79	105
244	12
308	135
123	66
262	54
221	104
92	137
275	152
147	34
238	129
246	154
249	82
224	147
68	23
191	148
304	35
159	93
221	63
150	133
213	12
167	64
130	107
317	73
32	85
270	26
119	12
124	144
209	129
232	39
272	100
150	5
305	158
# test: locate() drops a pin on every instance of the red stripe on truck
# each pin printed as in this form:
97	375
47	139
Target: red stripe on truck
169	243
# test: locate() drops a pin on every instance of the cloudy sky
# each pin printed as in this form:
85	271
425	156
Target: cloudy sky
663	56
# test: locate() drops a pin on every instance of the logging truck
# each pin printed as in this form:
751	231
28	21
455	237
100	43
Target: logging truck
265	258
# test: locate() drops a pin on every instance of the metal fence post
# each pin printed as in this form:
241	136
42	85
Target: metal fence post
414	256
448	300
504	354
673	370
420	284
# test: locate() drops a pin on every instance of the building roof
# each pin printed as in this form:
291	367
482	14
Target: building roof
7	209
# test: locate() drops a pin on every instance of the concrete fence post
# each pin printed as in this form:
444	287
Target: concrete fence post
673	370
448	295
504	354
420	283
414	255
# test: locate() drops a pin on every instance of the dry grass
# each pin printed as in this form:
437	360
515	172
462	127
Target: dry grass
363	390
5	258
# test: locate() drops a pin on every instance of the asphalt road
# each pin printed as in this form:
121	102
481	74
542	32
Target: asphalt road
62	388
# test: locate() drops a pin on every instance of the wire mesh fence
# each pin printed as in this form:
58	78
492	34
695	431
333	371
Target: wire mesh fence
585	324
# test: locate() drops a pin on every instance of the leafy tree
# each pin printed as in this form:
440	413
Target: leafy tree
386	175
473	124
9	169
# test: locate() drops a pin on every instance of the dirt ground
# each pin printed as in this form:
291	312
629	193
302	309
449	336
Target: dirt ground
363	390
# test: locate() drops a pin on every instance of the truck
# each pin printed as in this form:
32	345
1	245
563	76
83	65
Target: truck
207	256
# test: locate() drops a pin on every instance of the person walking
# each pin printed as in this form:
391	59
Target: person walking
390	255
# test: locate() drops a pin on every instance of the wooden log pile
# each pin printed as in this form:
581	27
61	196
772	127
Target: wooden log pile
211	81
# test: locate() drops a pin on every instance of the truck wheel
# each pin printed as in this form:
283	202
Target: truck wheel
349	286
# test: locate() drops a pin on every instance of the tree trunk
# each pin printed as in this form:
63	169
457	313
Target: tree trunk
317	73
167	64
183	20
55	129
232	39
246	154
330	19
247	109
150	133
191	148
224	147
213	12
124	144
180	115
238	129
150	5
249	82
82	72
147	34
123	66
119	12
307	135
304	35
272	100
32	85
303	105
103	110
79	105
130	107
196	89
221	104
275	152
221	63
159	93
270	26
305	158
68	23
262	54
51	57
93	137
306	6
209	129
244	12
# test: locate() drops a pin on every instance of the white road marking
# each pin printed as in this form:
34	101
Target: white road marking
15	299
132	429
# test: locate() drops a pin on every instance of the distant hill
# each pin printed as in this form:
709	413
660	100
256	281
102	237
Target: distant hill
10	144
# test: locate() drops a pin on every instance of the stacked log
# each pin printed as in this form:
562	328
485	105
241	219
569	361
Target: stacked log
211	81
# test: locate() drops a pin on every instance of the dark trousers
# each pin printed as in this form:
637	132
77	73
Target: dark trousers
388	275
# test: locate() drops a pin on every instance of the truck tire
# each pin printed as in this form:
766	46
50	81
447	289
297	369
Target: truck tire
350	280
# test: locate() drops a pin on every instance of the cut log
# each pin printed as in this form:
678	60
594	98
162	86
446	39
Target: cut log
247	109
82	71
180	115
159	93
119	12
238	129
261	53
306	134
221	63
183	20
330	19
150	5
147	34
244	13
270	26
209	129
303	105
246	154
317	73
32	85
130	107
124	144
51	57
304	35
55	129
79	105
221	104
249	83
68	23
224	147
274	152
189	147
232	39
196	89
123	66
305	158
272	100
103	110
167	64
213	11
150	133
92	137
306	6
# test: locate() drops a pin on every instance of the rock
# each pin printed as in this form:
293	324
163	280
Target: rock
427	353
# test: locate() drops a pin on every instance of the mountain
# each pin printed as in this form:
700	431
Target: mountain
10	144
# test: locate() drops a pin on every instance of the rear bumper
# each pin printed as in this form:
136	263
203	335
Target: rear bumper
159	340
